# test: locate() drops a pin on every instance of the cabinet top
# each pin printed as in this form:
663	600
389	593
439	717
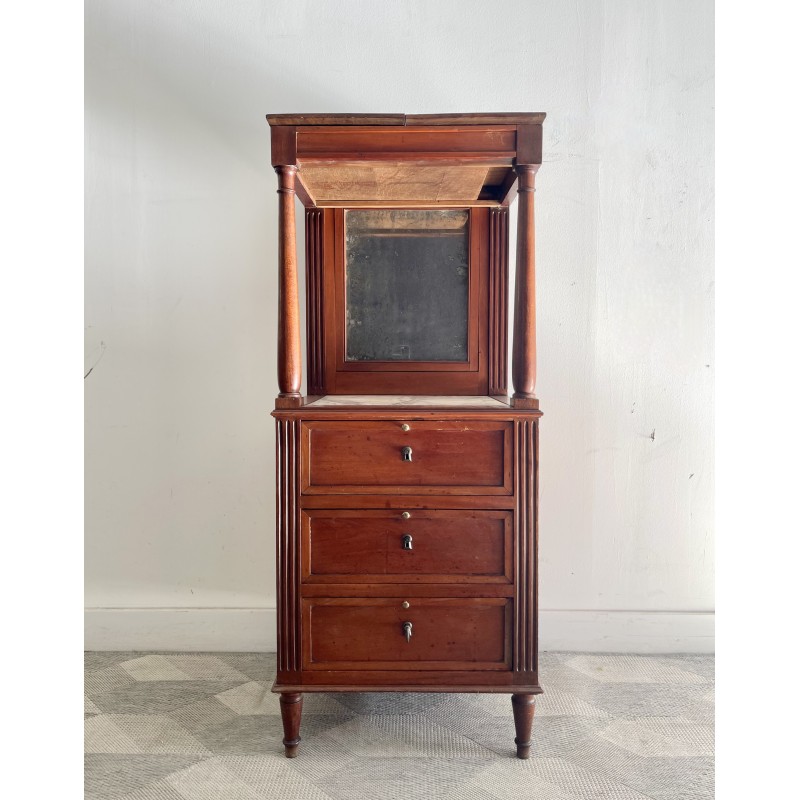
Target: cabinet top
406	120
395	160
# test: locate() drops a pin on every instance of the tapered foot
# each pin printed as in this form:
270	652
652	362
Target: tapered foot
291	711
523	705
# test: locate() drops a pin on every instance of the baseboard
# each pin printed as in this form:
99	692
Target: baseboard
224	630
254	630
627	631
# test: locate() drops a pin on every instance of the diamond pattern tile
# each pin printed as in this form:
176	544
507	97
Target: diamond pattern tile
189	726
153	668
660	737
632	669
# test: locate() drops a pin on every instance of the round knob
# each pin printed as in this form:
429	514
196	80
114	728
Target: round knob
405	427
406	604
406	515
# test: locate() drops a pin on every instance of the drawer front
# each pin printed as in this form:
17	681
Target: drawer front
369	633
444	457
456	546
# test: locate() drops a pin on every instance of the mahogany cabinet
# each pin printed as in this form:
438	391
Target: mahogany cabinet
407	477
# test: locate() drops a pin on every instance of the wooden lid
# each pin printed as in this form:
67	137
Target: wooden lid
501	118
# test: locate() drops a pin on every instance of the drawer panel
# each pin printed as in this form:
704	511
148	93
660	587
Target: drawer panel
446	457
446	633
368	546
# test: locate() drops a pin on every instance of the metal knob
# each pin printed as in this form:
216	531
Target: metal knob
407	542
406	515
406	604
407	631
405	427
406	451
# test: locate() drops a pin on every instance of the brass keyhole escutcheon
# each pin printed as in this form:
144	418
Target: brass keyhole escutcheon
408	542
407	631
406	451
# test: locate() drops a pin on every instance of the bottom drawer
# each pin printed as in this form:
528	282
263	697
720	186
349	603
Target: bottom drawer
372	633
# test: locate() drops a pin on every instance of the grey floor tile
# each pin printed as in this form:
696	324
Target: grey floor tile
111	776
257	666
402	778
197	726
243	735
93	661
371	703
157	697
672	778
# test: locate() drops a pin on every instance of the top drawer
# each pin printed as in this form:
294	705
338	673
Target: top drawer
444	457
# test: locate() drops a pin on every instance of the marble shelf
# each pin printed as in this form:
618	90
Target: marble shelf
408	401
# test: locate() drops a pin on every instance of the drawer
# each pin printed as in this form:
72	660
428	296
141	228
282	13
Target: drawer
445	457
368	633
455	546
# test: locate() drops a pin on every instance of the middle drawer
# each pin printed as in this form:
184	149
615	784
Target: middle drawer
380	546
441	457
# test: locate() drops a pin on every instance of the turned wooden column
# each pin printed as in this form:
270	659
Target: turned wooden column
523	705
289	360
523	363
291	712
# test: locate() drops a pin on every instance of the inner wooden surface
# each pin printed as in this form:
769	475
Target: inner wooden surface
395	182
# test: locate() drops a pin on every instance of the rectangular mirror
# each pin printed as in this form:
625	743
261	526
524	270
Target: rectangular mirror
407	285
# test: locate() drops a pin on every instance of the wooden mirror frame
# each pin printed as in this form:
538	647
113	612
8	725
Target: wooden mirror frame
325	314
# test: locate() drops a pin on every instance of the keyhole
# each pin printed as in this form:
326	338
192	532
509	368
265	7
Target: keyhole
407	542
406	454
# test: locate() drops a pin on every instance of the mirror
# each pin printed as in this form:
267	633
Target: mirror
407	285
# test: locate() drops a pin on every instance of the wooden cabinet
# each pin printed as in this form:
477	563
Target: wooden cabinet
407	478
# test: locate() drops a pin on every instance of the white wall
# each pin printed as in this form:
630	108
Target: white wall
181	250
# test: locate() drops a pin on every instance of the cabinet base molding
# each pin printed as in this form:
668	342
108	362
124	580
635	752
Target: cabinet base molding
427	688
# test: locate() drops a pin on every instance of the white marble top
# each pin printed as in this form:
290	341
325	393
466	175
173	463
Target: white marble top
452	401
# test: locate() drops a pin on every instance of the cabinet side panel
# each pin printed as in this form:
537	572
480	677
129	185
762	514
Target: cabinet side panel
498	301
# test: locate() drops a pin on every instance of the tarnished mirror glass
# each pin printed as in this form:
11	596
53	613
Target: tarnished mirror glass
406	285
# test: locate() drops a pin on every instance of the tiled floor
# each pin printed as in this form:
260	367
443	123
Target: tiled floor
164	726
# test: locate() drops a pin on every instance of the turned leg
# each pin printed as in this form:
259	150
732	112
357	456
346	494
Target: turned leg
523	705
291	711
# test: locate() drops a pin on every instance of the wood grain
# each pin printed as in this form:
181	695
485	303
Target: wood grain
288	543
315	309
469	496
446	546
447	458
289	363
510	118
367	633
470	377
525	492
524	348
498	301
524	706
392	183
346	142
291	712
